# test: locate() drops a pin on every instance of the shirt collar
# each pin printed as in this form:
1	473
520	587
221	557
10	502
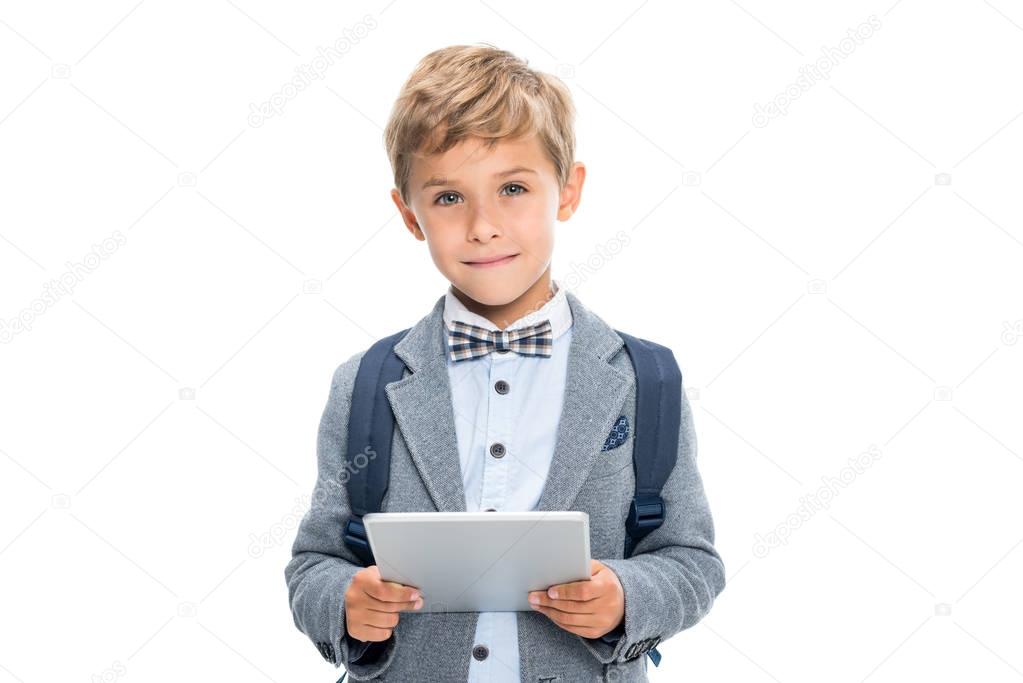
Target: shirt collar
556	310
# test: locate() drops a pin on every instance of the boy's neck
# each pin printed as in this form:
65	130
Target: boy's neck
503	315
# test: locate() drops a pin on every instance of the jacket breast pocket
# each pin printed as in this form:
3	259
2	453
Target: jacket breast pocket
616	453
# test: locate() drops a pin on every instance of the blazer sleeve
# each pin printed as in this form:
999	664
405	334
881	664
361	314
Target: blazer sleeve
322	566
675	572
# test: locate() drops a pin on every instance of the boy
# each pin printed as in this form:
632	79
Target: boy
515	397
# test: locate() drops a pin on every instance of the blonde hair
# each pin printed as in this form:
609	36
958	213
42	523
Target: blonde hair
481	91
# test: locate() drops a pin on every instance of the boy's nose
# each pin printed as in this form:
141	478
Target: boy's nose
483	226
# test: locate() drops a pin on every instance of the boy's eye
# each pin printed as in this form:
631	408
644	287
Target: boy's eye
443	198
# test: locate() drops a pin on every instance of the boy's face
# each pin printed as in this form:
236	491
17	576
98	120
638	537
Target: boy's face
472	204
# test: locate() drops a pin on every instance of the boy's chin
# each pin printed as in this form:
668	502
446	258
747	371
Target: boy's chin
492	290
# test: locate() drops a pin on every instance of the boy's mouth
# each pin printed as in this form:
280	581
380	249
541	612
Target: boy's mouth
491	261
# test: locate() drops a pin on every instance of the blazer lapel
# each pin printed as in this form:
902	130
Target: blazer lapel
424	413
595	392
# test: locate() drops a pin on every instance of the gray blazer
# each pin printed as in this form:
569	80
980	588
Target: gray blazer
670	582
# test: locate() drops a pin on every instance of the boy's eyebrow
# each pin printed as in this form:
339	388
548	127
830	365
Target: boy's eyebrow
437	180
517	169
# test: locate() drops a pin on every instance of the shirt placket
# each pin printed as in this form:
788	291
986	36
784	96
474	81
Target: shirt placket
499	449
494	496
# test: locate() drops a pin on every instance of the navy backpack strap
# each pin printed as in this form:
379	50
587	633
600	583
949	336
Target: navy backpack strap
370	429
655	445
655	438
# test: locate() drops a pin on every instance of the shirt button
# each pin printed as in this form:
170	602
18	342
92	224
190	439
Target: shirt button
490	510
501	387
480	652
497	450
503	350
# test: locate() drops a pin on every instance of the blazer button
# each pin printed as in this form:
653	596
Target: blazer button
501	386
490	510
497	450
480	652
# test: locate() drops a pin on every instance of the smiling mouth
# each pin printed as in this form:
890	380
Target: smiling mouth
493	261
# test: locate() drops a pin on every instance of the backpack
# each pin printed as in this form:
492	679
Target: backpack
655	437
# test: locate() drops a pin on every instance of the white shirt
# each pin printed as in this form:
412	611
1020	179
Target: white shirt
525	420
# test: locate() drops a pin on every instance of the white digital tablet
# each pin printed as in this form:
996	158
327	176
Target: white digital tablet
480	561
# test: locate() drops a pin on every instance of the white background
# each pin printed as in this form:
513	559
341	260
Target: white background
843	280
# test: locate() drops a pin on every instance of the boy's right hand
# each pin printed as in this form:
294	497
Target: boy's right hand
372	605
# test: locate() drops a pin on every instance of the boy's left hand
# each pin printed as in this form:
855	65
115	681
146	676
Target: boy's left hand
587	608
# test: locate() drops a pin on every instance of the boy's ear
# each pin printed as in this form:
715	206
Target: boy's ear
408	216
572	193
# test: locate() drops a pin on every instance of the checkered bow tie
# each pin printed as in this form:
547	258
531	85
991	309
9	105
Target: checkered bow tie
466	341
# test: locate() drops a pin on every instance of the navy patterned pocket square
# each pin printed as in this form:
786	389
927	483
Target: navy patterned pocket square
619	433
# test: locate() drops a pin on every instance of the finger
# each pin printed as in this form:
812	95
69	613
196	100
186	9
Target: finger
399	592
563	618
383	620
577	590
567	621
388	591
584	631
382	606
567	606
574	606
